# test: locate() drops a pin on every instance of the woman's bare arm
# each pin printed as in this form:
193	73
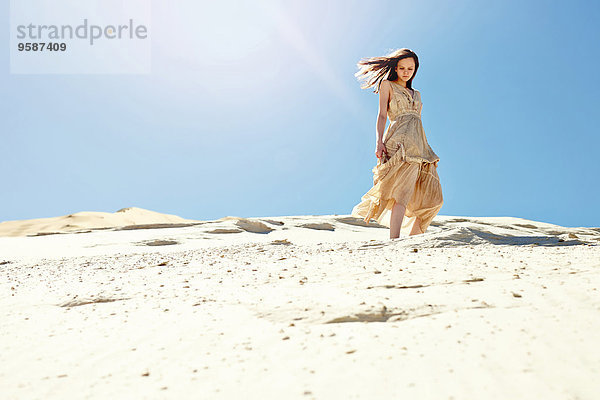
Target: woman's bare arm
385	91
384	98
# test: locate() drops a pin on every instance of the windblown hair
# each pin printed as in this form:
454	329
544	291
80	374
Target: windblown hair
374	70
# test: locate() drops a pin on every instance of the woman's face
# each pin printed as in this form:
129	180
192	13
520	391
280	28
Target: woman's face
406	69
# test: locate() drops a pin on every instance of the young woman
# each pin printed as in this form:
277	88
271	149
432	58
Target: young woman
405	179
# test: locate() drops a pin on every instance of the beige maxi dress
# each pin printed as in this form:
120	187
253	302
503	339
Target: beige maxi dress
409	176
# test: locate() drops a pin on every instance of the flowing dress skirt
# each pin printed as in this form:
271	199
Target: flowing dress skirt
416	185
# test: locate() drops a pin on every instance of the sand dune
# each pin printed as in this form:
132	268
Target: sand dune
297	307
461	230
85	221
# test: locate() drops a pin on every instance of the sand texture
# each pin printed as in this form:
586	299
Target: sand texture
145	305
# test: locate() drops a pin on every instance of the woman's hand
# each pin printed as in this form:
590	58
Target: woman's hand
380	149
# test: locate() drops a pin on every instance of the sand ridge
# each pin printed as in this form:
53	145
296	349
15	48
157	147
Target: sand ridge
314	307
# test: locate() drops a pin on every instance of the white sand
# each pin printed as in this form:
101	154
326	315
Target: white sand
298	307
83	222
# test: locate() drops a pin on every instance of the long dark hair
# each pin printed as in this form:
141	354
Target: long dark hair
374	69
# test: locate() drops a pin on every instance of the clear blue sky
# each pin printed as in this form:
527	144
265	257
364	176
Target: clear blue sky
252	109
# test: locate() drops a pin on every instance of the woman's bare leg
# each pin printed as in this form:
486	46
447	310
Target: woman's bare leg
416	229
396	220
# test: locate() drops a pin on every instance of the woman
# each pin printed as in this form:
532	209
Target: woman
405	179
